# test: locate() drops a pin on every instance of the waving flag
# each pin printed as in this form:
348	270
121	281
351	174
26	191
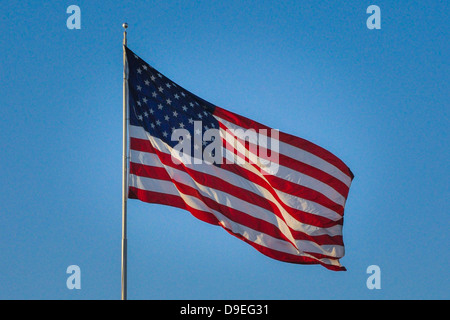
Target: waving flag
283	195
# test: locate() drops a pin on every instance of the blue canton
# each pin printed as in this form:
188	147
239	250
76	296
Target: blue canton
160	106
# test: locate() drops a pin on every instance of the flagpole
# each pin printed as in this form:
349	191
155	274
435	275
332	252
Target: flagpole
124	167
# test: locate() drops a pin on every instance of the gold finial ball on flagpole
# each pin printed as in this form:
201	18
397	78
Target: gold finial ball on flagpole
125	25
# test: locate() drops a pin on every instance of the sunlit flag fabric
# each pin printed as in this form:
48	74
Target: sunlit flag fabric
281	194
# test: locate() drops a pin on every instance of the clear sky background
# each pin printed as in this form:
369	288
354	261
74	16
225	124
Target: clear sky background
378	99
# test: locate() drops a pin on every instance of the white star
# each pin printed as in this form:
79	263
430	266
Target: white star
175	113
140	117
198	131
182	93
168	85
169	101
147	83
158	123
138	103
165	134
159	75
200	116
144	67
191	120
146	114
196	147
145	100
139	88
160	106
161	89
153	78
166	117
152	125
191	104
152	111
139	71
181	125
177	96
184	108
154	94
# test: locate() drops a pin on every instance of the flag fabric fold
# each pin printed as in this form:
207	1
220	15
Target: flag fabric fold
283	195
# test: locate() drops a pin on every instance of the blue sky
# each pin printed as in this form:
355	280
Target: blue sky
378	99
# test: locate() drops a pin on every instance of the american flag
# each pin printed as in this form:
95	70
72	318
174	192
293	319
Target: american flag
281	194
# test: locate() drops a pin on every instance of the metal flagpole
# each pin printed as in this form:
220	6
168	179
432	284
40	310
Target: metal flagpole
124	167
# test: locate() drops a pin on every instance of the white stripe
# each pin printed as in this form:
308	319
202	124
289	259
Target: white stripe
151	159
291	201
302	155
286	173
233	202
250	234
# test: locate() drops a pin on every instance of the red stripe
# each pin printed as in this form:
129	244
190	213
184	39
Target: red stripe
270	182
170	200
290	163
211	181
293	188
231	213
160	173
286	257
304	193
302	216
175	201
286	138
